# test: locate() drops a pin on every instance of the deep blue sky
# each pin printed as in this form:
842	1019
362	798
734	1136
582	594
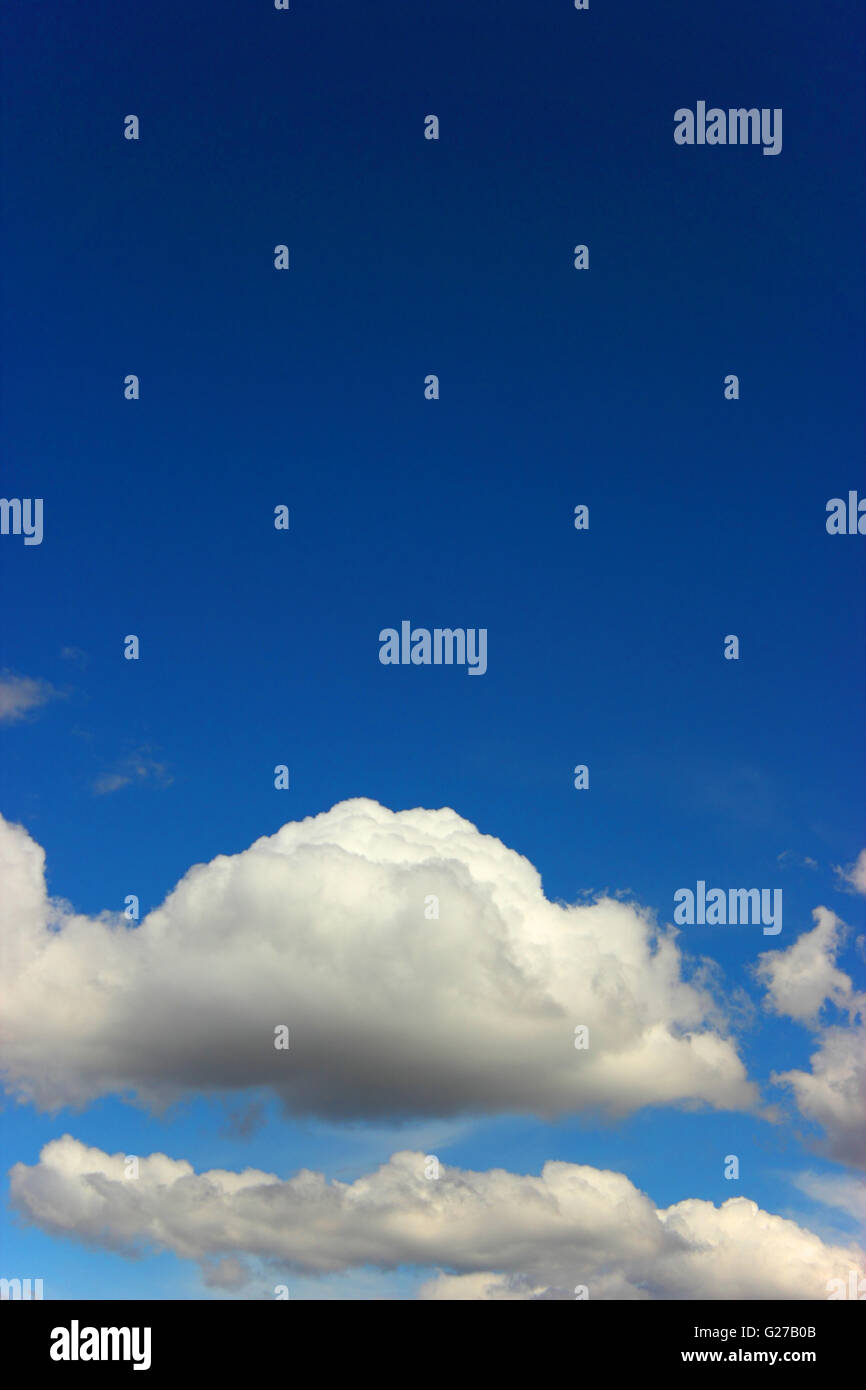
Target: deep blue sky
454	257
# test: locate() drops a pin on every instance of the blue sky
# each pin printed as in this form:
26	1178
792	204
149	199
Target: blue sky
605	647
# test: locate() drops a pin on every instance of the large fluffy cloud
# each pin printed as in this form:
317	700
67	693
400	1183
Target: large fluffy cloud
801	980
322	928
490	1235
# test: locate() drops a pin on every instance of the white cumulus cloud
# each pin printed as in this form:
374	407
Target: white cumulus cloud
800	981
833	1093
482	1235
803	977
322	928
854	874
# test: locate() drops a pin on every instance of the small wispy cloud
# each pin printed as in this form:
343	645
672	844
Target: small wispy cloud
21	694
789	858
136	767
74	654
842	1191
245	1120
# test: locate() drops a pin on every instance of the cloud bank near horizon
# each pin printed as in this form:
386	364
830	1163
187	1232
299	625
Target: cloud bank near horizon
483	1235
